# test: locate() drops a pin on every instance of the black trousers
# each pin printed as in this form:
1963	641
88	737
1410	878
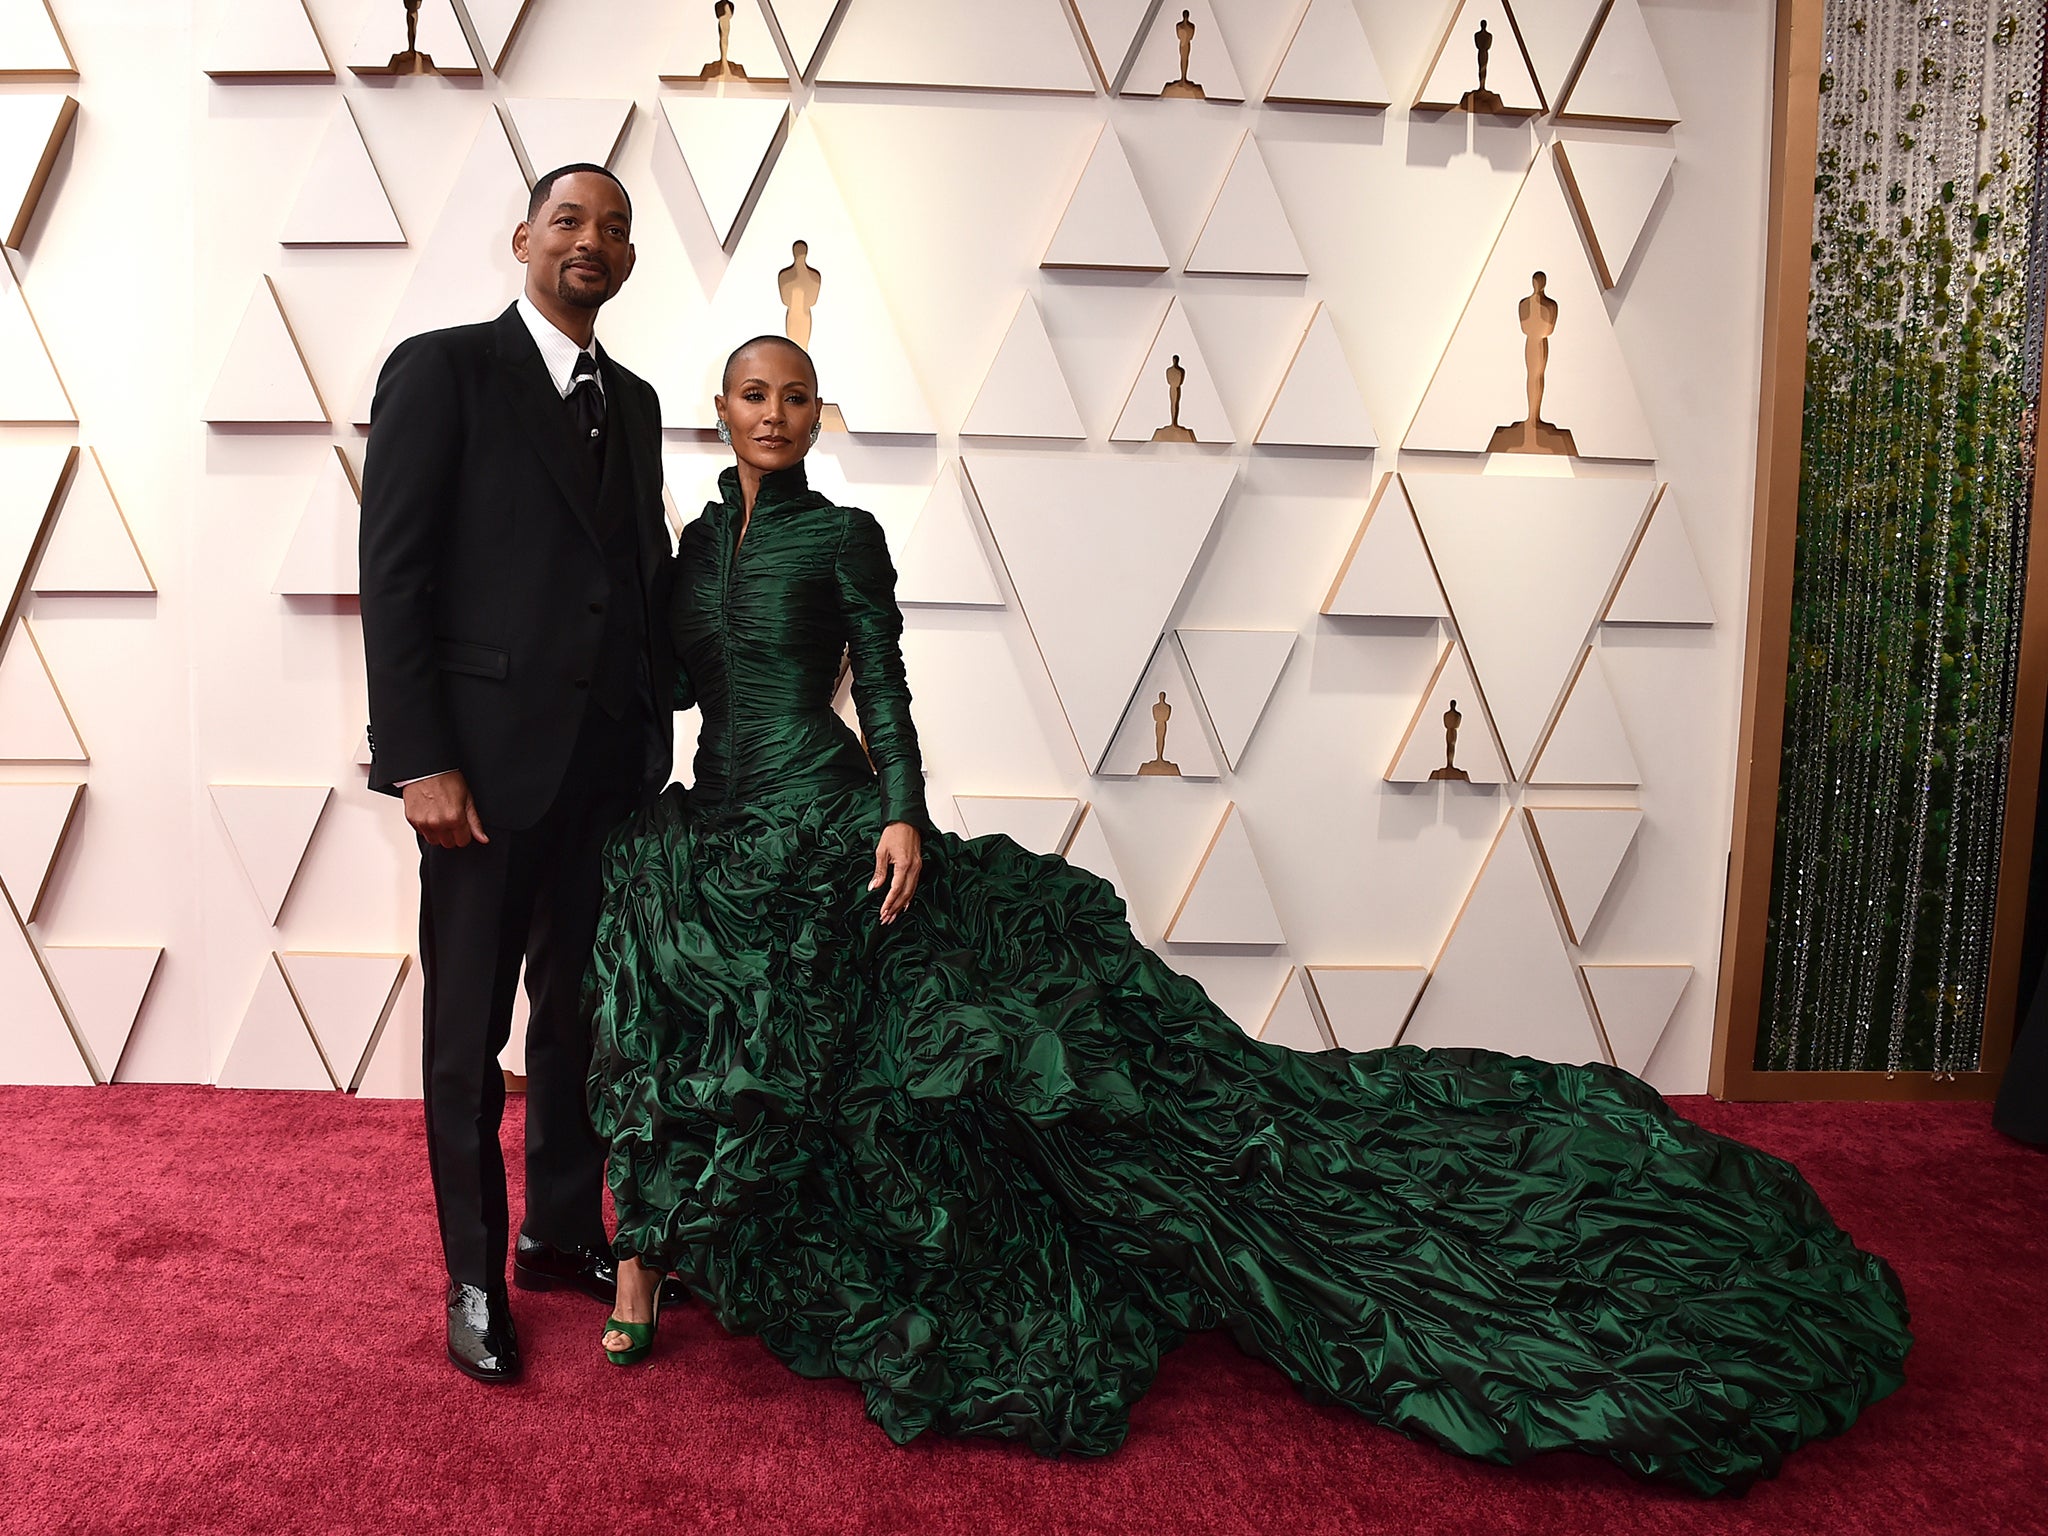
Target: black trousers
530	895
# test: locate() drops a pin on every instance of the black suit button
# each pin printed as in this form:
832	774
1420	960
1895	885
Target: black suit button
597	607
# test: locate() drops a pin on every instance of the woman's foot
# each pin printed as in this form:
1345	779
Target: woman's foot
637	1287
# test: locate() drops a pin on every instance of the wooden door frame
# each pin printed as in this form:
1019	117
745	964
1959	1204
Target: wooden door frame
1795	131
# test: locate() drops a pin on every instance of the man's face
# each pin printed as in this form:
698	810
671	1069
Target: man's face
578	248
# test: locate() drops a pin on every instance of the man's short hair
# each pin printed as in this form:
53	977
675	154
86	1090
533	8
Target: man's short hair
544	186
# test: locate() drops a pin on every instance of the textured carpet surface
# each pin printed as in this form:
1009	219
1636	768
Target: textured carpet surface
257	1277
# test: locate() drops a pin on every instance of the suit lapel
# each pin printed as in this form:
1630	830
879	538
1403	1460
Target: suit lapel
531	392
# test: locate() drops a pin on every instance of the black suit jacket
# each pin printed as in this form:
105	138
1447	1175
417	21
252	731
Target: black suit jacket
483	572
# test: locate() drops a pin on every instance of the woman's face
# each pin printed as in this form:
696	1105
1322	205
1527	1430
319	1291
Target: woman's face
771	405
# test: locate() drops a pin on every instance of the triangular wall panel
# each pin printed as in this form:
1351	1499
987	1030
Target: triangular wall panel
1455	69
440	35
1110	29
1018	45
1554	37
1527	563
803	24
496	23
1106	224
322	558
1588	745
1293	1020
273	1048
91	549
103	987
270	826
725	142
1226	901
31	394
264	377
37	1046
1482	382
392	1066
1088	848
1158	60
35	727
1189	746
1622	80
1582	847
32	46
1318	404
853	336
33	821
1024	393
341	198
462	272
943	563
1613	186
32	131
1148	407
1098	550
1426	747
1662	584
1040	823
1387	573
1329	62
1367	1006
33	482
1235	671
750	48
1635	1003
1246	232
345	1000
568	130
1504	981
265	38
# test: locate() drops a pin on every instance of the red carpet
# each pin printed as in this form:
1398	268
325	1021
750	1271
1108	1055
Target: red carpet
257	1278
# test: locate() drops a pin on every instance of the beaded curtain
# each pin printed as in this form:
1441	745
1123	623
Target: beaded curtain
1916	473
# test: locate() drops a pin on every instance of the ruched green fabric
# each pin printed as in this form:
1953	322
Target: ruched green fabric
992	1161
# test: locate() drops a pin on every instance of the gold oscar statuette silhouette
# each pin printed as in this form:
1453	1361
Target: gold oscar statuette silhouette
722	67
412	61
799	284
1173	431
1184	29
1533	434
1481	100
1450	769
1159	767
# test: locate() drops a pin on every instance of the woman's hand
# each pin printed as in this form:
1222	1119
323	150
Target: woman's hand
899	859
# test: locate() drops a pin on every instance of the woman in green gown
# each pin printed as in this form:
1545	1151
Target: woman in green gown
964	1141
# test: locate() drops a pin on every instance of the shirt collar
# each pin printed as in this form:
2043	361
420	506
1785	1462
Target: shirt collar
556	350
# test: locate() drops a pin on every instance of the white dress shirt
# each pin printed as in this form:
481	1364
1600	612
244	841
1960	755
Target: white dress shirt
558	351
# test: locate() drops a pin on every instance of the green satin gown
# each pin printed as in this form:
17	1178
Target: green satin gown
992	1161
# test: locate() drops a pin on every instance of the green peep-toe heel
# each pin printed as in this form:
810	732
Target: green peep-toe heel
642	1335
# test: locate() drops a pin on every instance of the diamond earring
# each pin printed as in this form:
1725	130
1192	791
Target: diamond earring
817	427
725	431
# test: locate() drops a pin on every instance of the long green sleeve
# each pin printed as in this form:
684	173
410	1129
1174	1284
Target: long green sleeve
881	691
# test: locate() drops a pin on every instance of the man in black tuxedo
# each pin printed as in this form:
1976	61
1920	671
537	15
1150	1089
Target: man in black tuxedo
515	567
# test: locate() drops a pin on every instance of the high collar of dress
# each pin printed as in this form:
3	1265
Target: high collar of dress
779	487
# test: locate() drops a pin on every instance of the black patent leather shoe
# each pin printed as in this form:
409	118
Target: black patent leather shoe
481	1341
539	1266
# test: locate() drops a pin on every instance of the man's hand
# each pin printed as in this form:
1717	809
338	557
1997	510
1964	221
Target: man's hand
441	811
899	859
